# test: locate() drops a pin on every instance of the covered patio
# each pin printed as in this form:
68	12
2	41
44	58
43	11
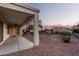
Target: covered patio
14	18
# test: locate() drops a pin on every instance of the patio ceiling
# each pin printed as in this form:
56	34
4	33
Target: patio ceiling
14	17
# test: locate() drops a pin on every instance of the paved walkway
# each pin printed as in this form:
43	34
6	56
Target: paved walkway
51	46
15	44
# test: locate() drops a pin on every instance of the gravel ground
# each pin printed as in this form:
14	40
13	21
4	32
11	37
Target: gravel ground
51	46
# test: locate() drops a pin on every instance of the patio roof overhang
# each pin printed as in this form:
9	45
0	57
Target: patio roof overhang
16	13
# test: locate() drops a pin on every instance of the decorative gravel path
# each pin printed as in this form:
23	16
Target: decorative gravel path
51	46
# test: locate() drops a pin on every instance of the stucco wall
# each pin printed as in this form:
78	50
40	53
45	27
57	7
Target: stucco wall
21	29
5	34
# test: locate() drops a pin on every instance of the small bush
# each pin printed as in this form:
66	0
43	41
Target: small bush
66	38
51	31
47	31
41	31
57	32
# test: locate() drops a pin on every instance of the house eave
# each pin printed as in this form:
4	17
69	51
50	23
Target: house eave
26	7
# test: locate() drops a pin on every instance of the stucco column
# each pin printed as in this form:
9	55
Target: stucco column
36	30
20	31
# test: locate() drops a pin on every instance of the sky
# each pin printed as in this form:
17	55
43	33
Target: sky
58	13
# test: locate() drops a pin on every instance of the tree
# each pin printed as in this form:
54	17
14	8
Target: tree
77	25
40	24
30	27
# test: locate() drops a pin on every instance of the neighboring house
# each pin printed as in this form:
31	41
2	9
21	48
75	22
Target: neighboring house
13	19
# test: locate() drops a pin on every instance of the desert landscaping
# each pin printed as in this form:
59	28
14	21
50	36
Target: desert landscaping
51	45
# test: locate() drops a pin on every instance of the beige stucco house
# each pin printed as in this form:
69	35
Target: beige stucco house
14	17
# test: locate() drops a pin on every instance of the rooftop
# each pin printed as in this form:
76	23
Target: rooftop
24	5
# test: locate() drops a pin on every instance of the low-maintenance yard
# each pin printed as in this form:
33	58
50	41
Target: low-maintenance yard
51	46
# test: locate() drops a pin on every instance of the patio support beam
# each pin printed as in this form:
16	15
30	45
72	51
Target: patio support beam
27	20
36	30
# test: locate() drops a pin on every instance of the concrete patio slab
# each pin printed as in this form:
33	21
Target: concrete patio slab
15	44
24	43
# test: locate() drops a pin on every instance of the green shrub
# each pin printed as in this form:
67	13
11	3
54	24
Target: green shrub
47	31
66	38
29	28
41	31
